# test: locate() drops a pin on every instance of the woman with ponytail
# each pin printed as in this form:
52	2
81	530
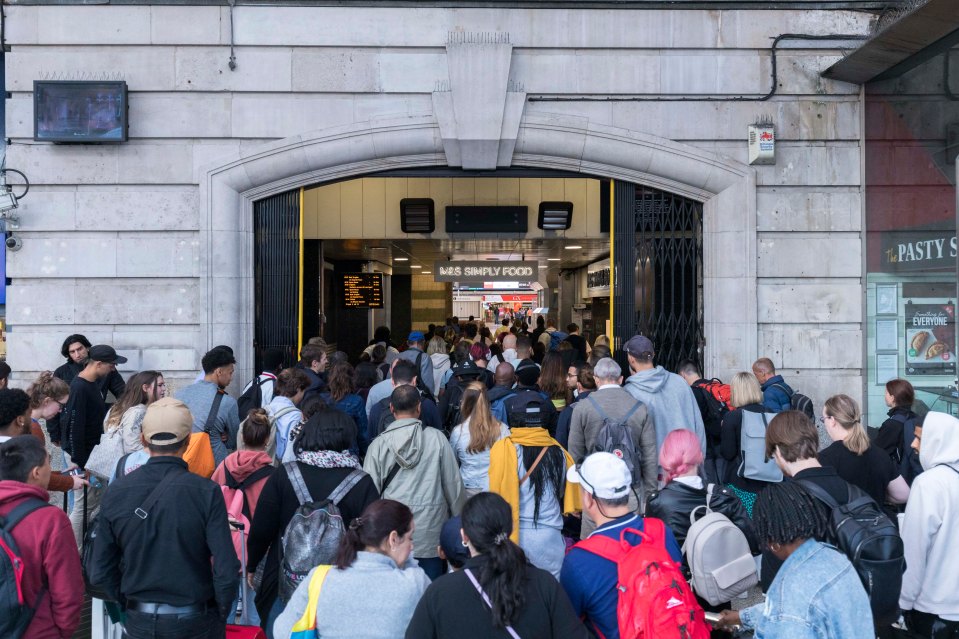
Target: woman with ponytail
853	456
472	439
498	593
681	458
371	591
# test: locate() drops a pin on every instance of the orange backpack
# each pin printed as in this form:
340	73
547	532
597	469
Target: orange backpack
199	455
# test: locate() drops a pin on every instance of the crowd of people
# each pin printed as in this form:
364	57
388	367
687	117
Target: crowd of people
520	482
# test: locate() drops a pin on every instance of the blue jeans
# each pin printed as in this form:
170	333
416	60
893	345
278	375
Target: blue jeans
275	611
432	566
198	625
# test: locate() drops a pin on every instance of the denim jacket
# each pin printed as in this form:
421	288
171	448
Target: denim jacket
816	595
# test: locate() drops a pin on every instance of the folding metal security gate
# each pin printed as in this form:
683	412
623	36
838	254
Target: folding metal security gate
658	249
276	259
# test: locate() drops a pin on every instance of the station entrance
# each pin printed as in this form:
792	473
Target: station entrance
630	261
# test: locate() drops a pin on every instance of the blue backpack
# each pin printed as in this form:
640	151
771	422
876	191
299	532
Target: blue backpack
555	338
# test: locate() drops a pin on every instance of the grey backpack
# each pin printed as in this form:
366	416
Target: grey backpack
614	437
718	555
313	534
752	445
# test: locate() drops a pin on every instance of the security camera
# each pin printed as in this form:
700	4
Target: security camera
14	243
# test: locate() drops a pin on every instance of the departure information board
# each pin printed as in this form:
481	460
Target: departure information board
362	290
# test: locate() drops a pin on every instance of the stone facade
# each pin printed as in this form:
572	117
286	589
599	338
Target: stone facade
148	244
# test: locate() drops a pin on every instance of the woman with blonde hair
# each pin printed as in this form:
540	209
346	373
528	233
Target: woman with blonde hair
855	458
746	393
48	395
474	436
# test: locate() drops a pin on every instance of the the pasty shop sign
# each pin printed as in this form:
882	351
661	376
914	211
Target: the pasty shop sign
499	271
918	251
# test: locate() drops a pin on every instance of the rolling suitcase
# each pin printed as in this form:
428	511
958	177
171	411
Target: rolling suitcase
243	629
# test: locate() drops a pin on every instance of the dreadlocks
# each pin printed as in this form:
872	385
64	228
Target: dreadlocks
785	512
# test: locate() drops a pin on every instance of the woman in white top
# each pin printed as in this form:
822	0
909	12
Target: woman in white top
472	439
143	389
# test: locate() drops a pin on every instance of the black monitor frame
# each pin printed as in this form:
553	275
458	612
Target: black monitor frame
124	117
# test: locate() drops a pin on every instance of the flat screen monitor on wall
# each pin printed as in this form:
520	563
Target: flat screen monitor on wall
361	290
88	112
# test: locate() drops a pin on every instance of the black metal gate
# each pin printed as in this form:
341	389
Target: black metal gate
659	264
276	246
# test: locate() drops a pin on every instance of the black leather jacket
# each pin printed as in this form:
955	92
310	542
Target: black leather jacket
676	500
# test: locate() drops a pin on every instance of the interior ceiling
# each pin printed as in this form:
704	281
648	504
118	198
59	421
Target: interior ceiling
424	253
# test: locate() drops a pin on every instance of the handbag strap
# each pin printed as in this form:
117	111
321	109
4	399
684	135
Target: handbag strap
389	478
121	466
539	458
143	511
214	411
479	589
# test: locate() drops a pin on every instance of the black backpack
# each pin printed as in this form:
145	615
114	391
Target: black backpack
614	437
453	399
863	532
420	384
798	401
15	612
715	407
251	398
526	410
908	459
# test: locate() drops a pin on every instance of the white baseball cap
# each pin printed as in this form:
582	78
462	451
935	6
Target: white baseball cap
602	475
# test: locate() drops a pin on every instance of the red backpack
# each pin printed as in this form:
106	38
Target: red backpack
718	395
655	602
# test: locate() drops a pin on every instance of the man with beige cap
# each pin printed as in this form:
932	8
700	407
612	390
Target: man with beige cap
169	588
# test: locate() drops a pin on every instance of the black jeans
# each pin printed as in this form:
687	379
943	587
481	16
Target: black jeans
927	625
198	625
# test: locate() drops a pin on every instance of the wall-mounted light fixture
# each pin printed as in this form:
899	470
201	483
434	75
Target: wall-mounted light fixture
555	216
417	215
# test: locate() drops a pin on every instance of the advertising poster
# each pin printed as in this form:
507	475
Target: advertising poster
930	339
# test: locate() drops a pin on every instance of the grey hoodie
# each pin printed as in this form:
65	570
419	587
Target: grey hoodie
670	402
931	524
428	481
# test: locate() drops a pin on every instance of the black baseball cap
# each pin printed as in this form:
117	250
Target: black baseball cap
452	543
105	353
527	372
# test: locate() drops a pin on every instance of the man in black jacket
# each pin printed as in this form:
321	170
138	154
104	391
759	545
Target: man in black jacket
75	349
170	587
82	427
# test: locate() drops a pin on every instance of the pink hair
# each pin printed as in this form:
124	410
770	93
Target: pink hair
681	453
479	351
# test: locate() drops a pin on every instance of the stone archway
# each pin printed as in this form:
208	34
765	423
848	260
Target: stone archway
726	187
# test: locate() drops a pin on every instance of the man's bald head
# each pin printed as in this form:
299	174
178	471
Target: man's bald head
509	342
505	375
